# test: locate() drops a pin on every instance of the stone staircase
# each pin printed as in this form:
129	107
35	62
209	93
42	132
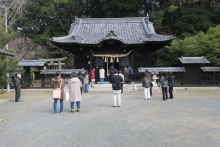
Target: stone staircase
108	87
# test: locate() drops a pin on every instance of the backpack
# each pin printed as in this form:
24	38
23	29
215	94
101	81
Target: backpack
130	71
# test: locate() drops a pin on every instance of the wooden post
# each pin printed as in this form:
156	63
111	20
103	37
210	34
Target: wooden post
91	62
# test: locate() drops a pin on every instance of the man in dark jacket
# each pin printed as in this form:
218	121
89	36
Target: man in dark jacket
96	75
112	70
130	73
171	84
17	86
116	81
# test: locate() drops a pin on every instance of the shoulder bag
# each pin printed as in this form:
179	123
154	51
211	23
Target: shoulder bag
57	92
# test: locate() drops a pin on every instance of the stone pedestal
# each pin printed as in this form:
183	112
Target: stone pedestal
155	86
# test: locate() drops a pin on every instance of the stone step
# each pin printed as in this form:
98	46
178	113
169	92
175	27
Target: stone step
108	87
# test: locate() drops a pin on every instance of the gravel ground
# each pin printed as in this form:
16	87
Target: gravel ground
191	119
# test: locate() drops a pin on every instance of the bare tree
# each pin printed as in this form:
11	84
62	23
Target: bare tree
14	10
26	49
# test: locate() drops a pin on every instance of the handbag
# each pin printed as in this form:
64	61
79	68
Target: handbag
57	92
67	96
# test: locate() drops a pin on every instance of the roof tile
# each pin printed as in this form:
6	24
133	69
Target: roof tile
193	60
91	30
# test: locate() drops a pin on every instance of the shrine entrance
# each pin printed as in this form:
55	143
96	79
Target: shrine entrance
106	60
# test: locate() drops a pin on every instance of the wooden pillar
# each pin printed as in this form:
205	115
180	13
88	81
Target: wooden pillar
42	80
131	62
149	57
74	60
91	62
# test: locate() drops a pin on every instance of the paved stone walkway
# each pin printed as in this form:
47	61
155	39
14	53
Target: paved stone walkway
191	119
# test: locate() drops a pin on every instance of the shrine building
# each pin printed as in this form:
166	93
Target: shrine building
117	41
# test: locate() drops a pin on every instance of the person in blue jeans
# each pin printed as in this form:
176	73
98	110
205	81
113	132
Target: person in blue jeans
86	82
75	96
130	73
101	75
57	82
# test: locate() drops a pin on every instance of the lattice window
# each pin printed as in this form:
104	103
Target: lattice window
99	61
124	61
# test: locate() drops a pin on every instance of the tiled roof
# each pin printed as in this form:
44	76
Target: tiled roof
134	30
193	60
6	53
211	69
161	69
62	71
19	72
32	63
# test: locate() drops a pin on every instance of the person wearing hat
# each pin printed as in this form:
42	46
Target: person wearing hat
116	81
122	76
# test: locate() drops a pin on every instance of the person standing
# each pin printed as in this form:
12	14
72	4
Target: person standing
122	76
96	75
146	84
164	85
74	86
86	82
101	75
92	76
111	71
130	73
58	82
171	84
116	81
81	78
17	86
151	84
125	74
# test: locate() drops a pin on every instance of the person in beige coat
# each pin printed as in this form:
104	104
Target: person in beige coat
74	86
57	82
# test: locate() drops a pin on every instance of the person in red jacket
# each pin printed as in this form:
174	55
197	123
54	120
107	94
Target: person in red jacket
92	76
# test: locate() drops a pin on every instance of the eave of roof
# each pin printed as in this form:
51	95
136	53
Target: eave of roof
32	63
92	31
6	53
62	71
161	69
211	69
193	60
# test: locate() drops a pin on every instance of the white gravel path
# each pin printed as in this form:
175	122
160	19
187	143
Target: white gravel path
191	119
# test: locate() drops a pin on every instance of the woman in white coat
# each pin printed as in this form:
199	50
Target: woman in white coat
74	86
101	75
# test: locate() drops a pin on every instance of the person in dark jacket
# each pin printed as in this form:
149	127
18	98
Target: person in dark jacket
116	81
96	75
171	84
151	84
146	84
81	78
17	86
130	73
164	85
111	71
